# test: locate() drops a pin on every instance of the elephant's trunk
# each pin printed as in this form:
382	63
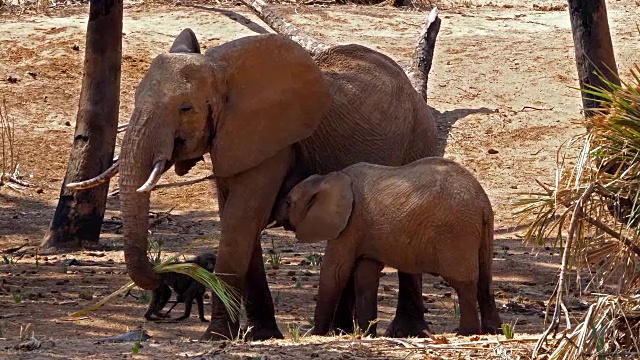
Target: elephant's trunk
145	144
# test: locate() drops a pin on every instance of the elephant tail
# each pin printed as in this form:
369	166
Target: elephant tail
420	67
490	319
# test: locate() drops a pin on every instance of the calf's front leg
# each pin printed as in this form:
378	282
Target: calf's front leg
336	268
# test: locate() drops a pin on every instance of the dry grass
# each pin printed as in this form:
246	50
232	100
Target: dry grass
593	210
10	153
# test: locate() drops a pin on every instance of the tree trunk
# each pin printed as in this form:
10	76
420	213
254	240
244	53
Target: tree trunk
79	214
594	51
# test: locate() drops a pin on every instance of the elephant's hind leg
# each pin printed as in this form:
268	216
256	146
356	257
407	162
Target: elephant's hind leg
409	319
467	296
490	319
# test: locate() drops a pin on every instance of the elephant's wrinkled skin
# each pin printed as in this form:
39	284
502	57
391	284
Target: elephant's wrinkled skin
430	216
269	115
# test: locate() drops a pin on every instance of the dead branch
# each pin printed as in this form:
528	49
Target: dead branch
75	262
418	72
161	216
282	27
13	179
616	235
560	306
170	185
184	183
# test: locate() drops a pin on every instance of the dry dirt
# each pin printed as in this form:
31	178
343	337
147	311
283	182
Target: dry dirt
502	80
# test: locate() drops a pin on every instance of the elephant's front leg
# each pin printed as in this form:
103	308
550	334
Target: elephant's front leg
336	268
261	318
247	201
409	319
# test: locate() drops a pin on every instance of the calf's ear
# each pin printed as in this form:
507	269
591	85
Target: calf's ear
326	209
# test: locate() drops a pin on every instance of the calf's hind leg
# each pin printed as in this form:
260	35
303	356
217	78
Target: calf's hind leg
467	297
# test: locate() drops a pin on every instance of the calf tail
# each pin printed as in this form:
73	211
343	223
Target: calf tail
488	312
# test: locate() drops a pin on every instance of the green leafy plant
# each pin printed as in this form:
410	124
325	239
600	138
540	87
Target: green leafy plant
274	259
11	259
154	250
315	259
294	332
359	333
509	329
17	298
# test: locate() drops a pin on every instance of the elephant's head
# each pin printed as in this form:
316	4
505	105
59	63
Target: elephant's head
318	208
242	102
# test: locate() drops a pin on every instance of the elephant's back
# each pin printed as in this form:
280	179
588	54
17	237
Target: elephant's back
376	116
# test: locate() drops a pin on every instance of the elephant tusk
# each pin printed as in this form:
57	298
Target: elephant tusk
272	225
93	182
158	168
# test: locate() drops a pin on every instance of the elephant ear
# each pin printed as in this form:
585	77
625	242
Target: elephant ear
185	42
275	96
325	209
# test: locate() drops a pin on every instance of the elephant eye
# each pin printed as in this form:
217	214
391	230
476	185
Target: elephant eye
185	107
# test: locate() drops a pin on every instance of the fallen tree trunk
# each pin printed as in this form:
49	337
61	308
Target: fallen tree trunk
418	72
282	27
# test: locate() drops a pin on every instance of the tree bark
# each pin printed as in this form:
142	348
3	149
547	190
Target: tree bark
593	47
79	214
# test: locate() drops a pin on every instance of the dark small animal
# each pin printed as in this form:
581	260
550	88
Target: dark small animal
186	288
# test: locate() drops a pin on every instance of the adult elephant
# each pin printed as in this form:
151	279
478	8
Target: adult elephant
269	115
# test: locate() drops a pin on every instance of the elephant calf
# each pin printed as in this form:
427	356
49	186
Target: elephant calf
430	216
186	288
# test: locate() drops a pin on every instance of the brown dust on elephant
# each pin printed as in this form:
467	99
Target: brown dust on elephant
269	115
430	216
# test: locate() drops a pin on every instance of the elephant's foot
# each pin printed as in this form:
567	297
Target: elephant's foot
221	331
468	330
257	332
408	326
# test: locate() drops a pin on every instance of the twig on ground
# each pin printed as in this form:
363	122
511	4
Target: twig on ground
161	216
315	2
14	179
6	316
536	108
75	262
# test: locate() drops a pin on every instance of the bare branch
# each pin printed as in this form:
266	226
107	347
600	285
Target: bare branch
560	307
616	235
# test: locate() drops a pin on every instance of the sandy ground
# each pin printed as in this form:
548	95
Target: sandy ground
502	80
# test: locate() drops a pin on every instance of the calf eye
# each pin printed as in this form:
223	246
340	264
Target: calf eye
185	107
